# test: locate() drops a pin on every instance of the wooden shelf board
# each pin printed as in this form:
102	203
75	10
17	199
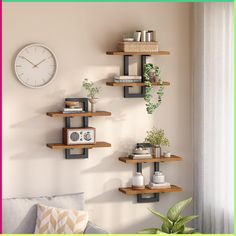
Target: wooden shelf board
130	191
64	146
137	53
61	114
134	84
152	160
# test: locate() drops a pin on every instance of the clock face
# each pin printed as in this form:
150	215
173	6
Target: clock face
35	66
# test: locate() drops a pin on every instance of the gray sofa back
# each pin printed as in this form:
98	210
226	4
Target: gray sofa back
19	214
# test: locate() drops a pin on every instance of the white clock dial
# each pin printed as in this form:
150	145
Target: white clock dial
35	66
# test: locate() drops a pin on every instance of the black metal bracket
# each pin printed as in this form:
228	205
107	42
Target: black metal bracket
126	72
68	154
140	197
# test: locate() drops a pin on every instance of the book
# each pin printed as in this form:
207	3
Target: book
72	112
127	80
127	77
73	109
157	186
140	156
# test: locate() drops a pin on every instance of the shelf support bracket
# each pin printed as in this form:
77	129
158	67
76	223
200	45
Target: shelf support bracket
126	72
141	197
68	154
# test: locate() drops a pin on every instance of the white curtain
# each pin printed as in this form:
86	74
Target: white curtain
213	116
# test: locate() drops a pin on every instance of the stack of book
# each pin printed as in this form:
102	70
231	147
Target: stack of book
140	156
75	109
128	79
157	186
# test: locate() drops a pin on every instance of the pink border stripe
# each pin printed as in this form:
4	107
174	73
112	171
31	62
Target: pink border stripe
1	122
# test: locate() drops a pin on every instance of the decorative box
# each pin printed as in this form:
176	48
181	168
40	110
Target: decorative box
138	47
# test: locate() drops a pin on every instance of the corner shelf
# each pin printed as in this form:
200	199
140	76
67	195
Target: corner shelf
87	146
130	191
137	53
126	86
134	84
84	114
152	160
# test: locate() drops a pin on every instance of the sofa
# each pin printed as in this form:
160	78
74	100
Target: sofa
19	214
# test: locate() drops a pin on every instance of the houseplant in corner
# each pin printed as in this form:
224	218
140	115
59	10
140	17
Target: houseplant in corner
156	137
173	223
92	91
152	74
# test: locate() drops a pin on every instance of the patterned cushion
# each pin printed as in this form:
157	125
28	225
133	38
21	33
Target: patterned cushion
60	221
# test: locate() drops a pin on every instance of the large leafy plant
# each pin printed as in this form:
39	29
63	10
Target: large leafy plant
157	137
152	74
173	223
91	89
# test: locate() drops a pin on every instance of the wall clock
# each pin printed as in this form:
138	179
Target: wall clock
35	66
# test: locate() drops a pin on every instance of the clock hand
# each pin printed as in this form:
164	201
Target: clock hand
41	61
29	61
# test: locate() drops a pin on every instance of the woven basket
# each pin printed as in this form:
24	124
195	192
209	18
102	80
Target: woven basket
137	47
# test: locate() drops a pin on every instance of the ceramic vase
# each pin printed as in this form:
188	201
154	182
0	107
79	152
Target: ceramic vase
138	181
156	151
158	177
93	101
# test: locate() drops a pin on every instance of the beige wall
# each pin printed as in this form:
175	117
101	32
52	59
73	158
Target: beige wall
80	34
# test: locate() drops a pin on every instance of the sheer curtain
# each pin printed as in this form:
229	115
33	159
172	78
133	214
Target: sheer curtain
213	116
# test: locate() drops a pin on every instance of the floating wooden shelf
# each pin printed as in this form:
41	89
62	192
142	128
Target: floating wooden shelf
137	53
153	160
87	146
130	191
84	114
134	84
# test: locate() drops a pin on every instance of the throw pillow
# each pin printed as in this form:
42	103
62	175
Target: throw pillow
52	220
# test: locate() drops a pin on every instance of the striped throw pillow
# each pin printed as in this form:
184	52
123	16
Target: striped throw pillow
51	220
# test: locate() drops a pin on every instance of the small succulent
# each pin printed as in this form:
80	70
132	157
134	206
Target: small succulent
91	89
173	223
152	72
157	137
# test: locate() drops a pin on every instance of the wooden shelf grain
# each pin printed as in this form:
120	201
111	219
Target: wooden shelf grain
64	146
88	114
152	160
134	84
130	191
138	53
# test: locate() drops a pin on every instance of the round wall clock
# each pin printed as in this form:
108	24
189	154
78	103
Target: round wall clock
35	66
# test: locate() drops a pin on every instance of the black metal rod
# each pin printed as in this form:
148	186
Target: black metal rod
126	65
139	167
156	166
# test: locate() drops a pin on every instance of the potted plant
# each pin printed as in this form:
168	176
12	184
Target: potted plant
92	91
152	74
173	223
156	137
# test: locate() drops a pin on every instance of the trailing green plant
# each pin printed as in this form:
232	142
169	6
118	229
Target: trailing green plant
152	72
173	223
157	137
91	89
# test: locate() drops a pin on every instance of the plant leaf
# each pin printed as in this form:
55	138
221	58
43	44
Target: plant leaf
188	230
148	231
182	222
160	232
175	211
180	231
165	228
163	218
